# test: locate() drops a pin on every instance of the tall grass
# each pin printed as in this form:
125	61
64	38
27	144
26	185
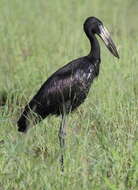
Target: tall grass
36	38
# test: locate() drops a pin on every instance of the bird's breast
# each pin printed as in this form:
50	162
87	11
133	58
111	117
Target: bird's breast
89	74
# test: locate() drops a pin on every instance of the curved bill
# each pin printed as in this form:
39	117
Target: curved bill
105	36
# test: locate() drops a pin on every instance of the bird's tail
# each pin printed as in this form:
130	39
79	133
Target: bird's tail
28	118
23	122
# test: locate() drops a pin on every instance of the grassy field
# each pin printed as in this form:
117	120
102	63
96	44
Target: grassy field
36	38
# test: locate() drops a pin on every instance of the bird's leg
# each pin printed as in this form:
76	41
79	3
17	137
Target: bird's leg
62	134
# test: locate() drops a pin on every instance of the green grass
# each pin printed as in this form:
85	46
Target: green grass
36	38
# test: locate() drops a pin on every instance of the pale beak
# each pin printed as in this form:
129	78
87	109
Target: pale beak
105	36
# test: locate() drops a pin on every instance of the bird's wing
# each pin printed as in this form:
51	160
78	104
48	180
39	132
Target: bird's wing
59	87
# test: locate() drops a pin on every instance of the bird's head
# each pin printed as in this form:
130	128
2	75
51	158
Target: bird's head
93	25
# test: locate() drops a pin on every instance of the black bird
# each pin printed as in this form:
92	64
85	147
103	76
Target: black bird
68	87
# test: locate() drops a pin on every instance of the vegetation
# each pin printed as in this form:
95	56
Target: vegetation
36	38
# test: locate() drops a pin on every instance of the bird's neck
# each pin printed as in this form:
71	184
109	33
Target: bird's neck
95	47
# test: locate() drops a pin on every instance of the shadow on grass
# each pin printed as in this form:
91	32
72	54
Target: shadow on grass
3	98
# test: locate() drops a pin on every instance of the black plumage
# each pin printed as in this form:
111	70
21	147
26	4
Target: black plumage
65	90
68	87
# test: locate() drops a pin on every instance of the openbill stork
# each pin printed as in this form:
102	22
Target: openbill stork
68	87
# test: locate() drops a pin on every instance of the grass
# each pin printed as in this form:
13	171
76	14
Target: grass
36	38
